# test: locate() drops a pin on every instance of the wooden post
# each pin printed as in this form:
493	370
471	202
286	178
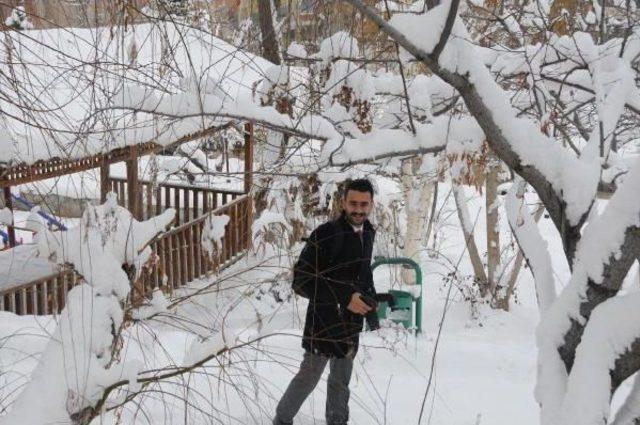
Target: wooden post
248	156
104	181
248	179
133	183
8	203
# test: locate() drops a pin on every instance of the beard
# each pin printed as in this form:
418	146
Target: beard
356	218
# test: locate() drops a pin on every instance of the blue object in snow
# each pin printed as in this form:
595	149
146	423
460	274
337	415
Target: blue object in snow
51	220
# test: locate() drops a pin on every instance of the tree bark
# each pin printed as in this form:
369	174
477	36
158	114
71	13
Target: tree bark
629	412
493	232
269	40
417	197
615	272
467	230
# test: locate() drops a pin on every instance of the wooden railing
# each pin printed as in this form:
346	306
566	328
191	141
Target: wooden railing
180	260
188	201
43	296
53	167
181	257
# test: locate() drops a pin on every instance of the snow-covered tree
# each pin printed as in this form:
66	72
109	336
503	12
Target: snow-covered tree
599	247
80	362
558	107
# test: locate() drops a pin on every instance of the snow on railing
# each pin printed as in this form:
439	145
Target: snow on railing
179	259
190	202
11	175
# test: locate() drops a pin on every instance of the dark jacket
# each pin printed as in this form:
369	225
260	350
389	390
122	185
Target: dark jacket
331	329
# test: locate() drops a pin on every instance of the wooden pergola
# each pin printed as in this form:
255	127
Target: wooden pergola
40	170
179	254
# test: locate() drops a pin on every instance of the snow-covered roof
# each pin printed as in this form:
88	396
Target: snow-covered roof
61	85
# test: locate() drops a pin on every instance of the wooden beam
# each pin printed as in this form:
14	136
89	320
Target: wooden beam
248	180
105	184
248	157
16	174
8	203
133	189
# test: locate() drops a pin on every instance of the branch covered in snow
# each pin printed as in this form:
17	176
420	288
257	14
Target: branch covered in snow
80	359
186	111
456	134
606	252
611	333
566	185
533	246
629	412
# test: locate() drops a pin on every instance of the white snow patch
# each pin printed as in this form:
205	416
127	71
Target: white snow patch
339	45
213	232
296	50
6	216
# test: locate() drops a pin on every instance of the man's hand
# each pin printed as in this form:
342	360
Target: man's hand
357	306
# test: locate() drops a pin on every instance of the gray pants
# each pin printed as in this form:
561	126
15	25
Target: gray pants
311	368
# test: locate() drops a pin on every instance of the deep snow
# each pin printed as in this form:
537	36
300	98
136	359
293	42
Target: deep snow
484	371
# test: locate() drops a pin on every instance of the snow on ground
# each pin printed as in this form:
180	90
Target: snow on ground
484	370
480	371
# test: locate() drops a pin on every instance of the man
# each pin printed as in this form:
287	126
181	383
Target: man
333	271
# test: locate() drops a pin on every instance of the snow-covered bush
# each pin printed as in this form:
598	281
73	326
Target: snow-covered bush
81	360
18	19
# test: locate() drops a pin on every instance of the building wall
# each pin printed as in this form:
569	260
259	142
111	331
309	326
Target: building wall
69	13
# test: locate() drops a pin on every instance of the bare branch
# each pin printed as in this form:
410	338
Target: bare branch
396	154
446	32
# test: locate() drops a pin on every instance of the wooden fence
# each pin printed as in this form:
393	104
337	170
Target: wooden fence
179	253
188	201
42	296
181	257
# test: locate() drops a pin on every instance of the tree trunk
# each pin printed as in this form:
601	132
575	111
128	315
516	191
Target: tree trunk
269	40
493	231
417	197
467	230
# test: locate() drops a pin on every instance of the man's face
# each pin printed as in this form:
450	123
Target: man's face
357	206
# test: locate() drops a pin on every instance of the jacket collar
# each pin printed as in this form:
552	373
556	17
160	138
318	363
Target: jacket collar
367	235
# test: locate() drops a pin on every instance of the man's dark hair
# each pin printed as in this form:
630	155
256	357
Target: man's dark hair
360	185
